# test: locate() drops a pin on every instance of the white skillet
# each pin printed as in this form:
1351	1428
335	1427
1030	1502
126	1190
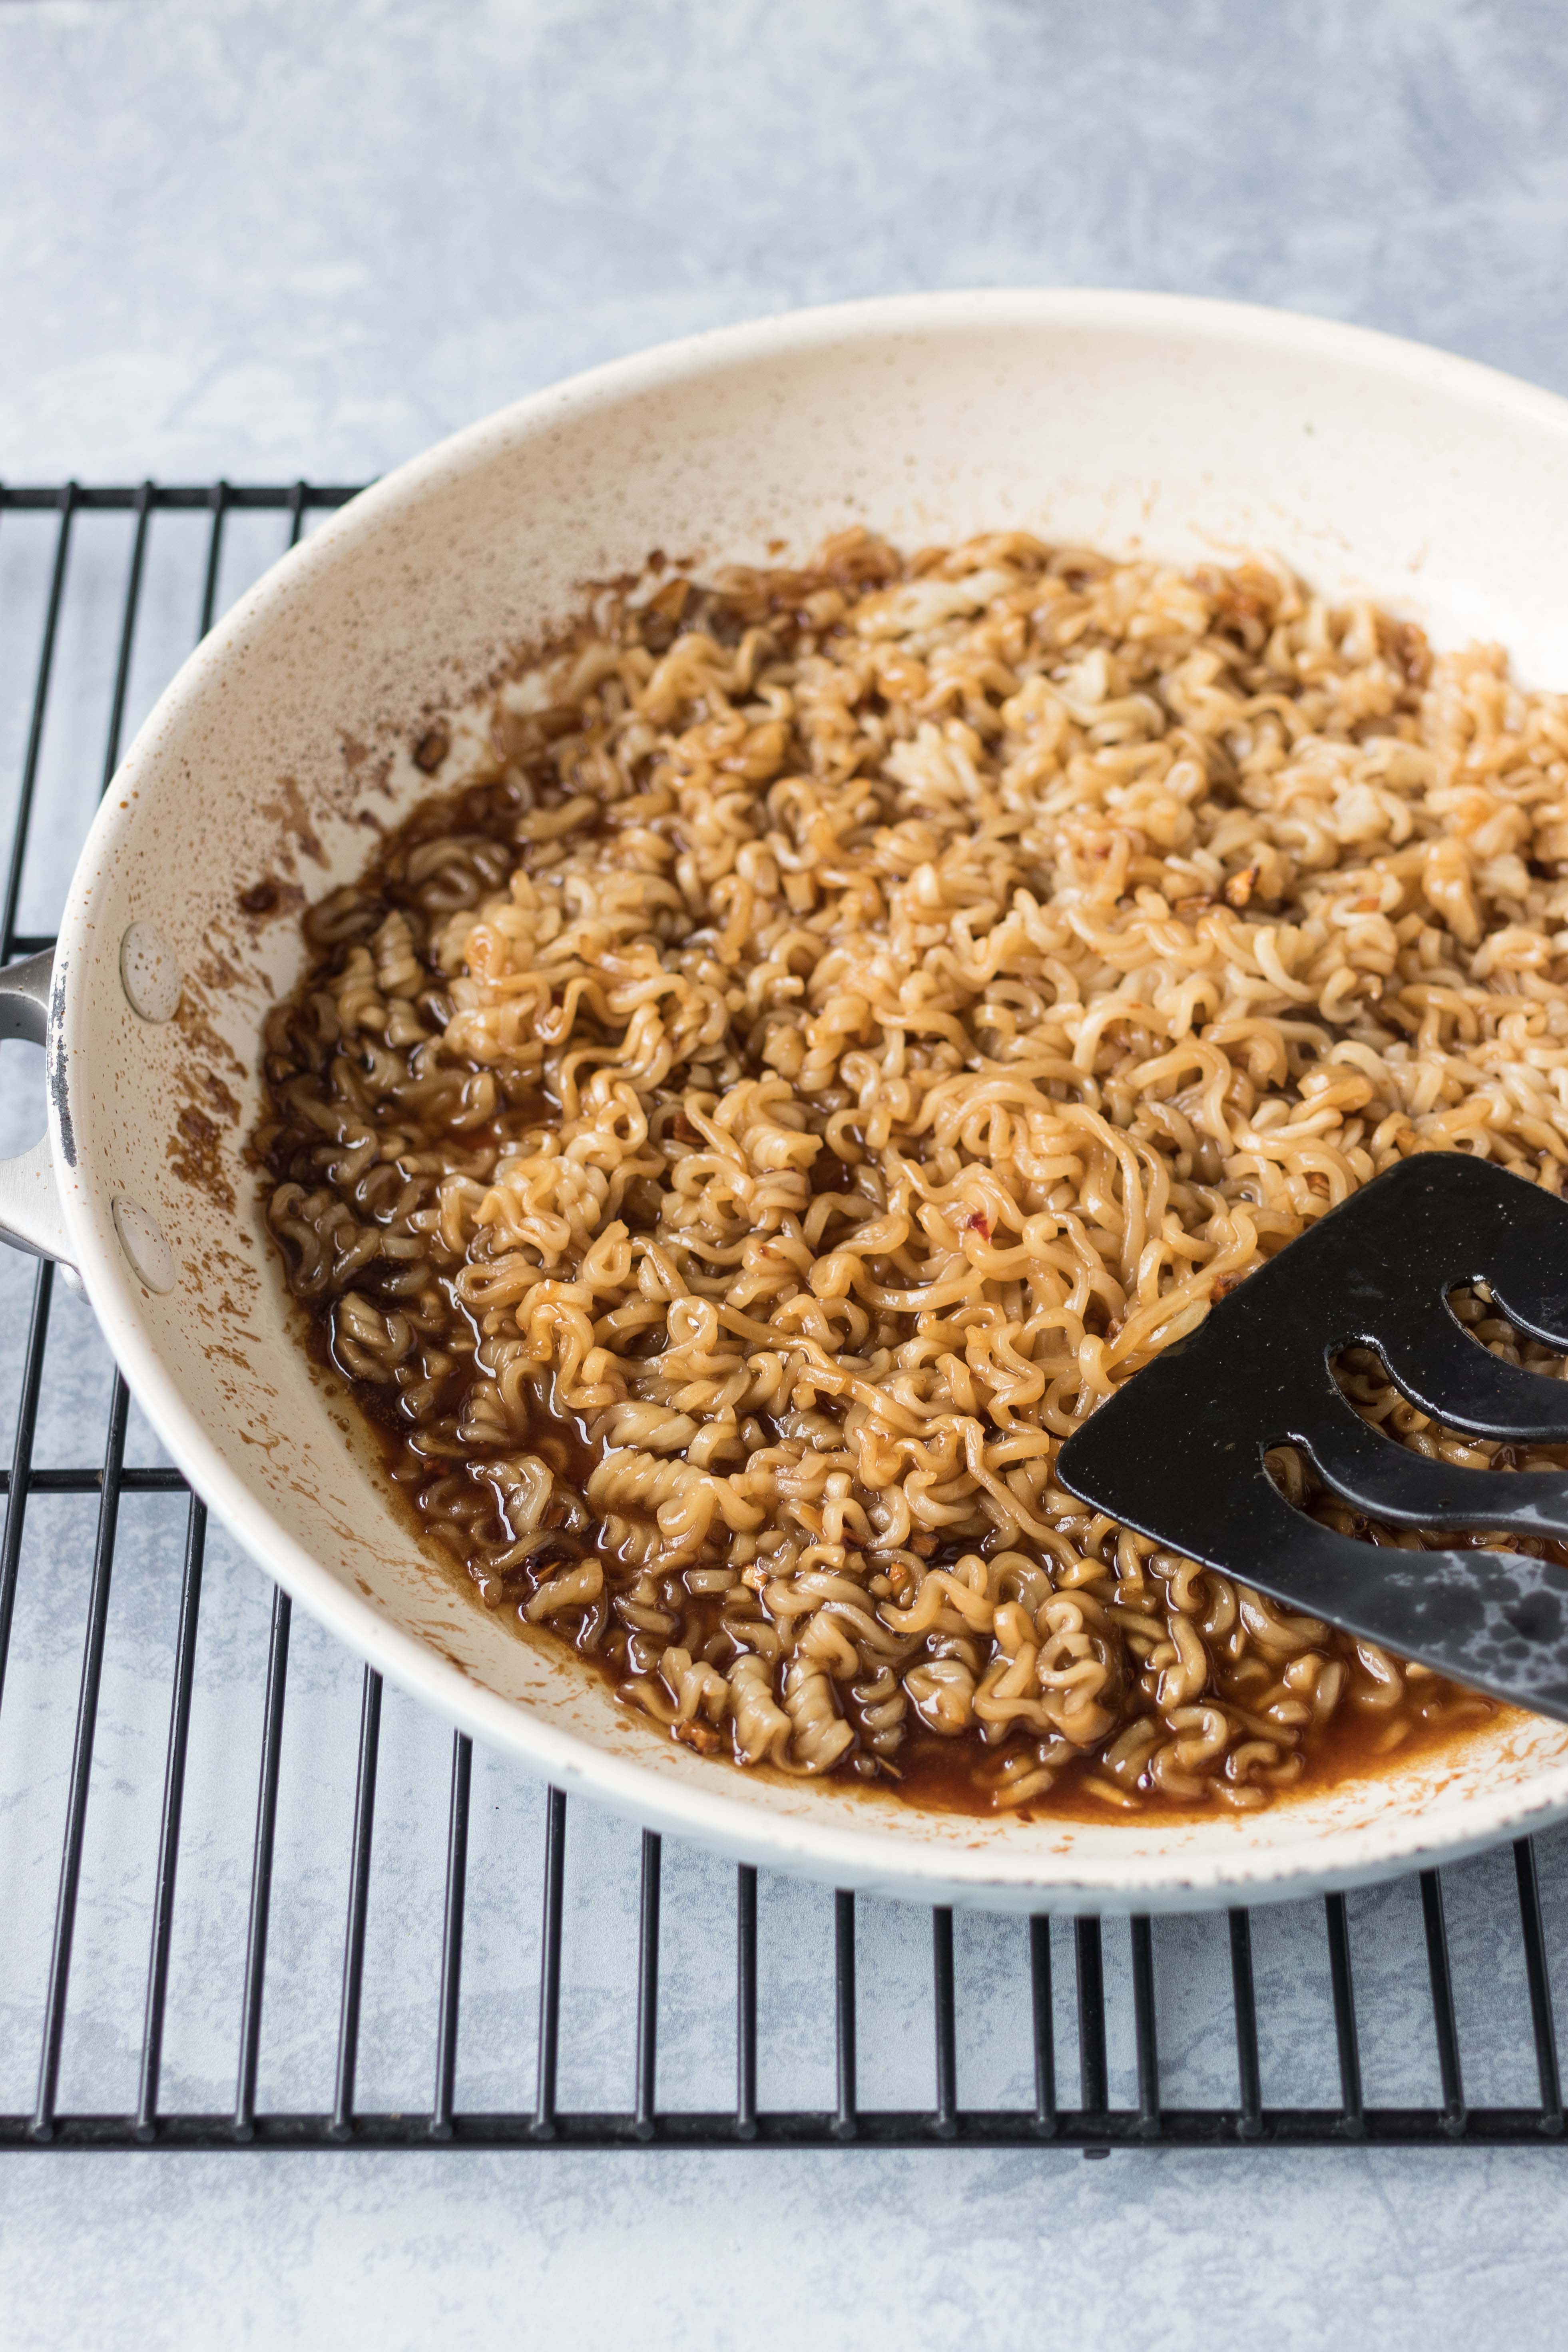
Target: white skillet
1185	428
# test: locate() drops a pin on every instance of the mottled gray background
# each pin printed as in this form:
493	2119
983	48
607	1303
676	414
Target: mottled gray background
274	239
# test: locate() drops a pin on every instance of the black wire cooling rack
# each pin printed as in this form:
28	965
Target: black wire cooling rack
1074	2009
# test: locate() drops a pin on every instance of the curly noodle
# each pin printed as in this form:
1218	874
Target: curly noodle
832	1028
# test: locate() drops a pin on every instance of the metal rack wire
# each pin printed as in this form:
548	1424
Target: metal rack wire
1093	2124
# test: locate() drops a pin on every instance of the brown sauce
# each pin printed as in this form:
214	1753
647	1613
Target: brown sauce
1351	1747
936	1774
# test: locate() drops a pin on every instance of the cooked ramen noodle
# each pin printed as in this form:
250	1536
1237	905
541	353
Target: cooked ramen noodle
829	1027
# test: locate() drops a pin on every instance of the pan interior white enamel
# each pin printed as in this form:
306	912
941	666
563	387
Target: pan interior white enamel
1120	422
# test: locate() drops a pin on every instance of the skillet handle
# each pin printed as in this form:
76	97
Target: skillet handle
30	1215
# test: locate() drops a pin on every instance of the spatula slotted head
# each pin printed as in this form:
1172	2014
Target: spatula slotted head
1177	1453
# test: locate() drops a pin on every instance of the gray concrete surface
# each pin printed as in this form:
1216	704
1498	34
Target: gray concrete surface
273	239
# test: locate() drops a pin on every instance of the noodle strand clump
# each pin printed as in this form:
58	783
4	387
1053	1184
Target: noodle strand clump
830	1029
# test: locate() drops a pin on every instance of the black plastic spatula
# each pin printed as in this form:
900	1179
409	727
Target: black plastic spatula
1177	1453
